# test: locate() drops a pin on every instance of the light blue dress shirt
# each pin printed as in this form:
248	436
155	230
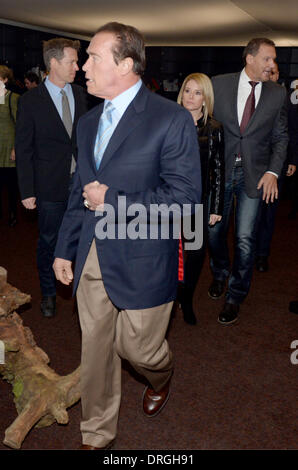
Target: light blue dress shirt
121	103
56	96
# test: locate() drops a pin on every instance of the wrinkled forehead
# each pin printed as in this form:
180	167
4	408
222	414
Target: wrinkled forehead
102	42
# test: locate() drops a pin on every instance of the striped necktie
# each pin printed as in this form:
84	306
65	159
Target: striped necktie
104	133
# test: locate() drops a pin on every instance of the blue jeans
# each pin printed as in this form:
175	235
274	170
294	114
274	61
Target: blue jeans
50	215
246	216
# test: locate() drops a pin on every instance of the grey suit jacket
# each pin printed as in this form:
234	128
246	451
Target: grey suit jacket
263	145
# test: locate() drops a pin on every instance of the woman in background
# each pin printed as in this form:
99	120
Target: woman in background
196	95
8	175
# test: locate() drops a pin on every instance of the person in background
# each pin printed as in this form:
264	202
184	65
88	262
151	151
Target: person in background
46	152
196	95
8	175
268	211
31	80
253	112
274	75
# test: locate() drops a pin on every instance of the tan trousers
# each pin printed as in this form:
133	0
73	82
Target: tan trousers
107	335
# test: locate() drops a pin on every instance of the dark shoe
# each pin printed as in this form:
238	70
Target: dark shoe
48	306
216	289
154	402
262	264
293	306
229	314
87	447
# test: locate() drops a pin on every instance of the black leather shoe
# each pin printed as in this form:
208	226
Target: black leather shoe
229	314
48	306
262	264
293	306
216	289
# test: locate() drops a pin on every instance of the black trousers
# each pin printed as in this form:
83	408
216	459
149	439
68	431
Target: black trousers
194	259
50	215
8	179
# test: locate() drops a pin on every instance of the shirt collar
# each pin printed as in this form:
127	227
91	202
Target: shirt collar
122	101
244	78
56	89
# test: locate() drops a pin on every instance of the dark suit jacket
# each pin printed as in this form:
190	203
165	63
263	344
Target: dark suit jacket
263	145
152	158
43	146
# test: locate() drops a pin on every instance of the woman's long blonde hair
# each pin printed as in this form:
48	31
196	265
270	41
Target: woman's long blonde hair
204	82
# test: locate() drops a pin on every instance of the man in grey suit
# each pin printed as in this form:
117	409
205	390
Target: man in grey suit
253	112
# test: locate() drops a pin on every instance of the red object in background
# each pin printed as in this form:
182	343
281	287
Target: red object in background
181	262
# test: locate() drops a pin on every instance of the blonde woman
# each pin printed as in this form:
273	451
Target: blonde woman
196	95
8	110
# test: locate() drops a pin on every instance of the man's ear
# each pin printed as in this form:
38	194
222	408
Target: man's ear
126	66
53	63
249	59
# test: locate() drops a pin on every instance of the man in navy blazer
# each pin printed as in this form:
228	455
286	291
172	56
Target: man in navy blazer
256	142
46	152
125	283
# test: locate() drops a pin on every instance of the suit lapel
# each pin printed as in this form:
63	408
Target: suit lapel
77	102
52	110
234	99
129	121
93	132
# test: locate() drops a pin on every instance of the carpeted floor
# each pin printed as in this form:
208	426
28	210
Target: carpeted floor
233	388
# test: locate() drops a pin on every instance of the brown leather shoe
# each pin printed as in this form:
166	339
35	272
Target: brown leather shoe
154	402
87	447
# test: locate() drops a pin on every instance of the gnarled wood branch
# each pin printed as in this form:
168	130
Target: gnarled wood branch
41	396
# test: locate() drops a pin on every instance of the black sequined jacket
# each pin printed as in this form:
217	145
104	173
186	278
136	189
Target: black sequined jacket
211	145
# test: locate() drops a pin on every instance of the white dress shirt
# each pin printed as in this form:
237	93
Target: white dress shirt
244	90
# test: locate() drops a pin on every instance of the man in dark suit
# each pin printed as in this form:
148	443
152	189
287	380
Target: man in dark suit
138	150
253	112
46	152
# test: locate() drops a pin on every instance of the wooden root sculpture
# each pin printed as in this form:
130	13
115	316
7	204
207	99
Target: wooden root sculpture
41	396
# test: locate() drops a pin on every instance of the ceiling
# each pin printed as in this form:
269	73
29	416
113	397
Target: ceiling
163	22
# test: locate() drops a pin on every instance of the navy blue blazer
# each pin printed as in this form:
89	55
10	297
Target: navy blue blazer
152	158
